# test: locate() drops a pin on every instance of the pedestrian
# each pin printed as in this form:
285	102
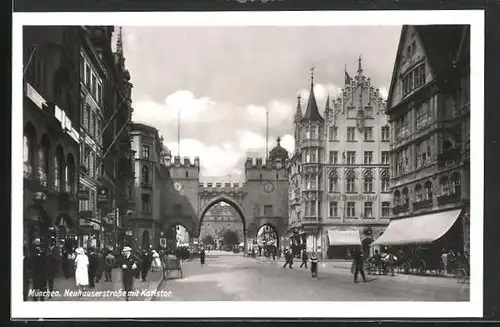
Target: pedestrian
156	263
109	263
26	273
444	261
274	252
314	265
39	273
51	262
304	259
377	259
82	269
138	258
288	259
93	264
202	256
145	265
129	266
358	265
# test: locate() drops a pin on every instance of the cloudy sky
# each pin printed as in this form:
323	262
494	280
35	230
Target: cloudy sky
222	80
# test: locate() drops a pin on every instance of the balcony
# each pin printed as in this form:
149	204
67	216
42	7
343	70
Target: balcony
315	143
422	204
448	198
400	209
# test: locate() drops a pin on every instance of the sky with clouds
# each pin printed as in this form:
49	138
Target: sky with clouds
223	79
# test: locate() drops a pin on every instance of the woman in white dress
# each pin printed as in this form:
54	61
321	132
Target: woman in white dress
81	272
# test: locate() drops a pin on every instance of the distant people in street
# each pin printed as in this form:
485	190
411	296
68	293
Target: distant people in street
93	265
39	273
109	263
304	259
82	269
202	256
377	260
357	257
51	262
288	259
274	252
260	251
444	261
314	265
138	258
145	265
156	263
129	265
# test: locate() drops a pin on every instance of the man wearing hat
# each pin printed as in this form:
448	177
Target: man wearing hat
129	266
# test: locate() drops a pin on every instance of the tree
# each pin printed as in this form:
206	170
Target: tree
208	240
230	238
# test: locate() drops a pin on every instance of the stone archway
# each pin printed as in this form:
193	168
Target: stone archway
234	204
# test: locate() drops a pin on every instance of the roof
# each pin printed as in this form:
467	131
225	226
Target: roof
312	113
278	151
440	43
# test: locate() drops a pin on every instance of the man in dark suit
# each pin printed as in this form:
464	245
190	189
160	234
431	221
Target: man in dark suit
39	274
51	261
129	267
358	265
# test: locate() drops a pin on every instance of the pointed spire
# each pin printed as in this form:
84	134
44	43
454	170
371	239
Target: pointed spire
327	107
312	113
298	113
278	140
360	69
312	76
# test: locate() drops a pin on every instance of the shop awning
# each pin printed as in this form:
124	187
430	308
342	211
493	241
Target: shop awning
418	230
343	237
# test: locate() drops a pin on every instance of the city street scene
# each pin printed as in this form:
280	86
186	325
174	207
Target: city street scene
246	163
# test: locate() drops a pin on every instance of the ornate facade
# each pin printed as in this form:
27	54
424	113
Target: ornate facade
429	108
339	173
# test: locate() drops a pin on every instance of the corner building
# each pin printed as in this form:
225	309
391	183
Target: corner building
429	108
339	173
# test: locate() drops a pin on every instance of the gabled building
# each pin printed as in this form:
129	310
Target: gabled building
339	176
429	110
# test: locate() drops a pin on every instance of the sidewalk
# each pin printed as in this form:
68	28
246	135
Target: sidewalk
66	289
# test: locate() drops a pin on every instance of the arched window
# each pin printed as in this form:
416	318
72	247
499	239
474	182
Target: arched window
428	191
385	181
332	184
444	183
397	198
455	184
70	174
406	197
368	182
350	181
59	170
145	174
29	138
418	193
43	161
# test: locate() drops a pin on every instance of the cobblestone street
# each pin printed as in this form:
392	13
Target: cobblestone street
227	277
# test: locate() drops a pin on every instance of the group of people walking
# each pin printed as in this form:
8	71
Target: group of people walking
87	266
313	260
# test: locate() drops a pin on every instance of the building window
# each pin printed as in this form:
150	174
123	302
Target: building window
82	68
332	184
385	182
368	182
428	191
402	161
58	170
87	120
350	182
455	184
268	211
368	210
368	157
146	204
414	79
351	209
145	152
386	209
333	209
333	156
313	132
93	87
419	194
351	134
43	161
397	198
87	75
70	174
28	153
423	154
406	197
351	157
385	133
401	127
423	115
445	186
145	174
313	155
385	157
333	136
93	127
368	133
99	94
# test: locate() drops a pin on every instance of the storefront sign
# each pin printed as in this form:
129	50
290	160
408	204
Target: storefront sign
355	197
163	242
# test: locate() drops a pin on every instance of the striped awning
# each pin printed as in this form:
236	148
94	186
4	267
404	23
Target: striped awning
344	237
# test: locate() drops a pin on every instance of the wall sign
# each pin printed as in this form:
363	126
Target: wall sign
355	197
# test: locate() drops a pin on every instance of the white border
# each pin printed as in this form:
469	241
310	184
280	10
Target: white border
212	309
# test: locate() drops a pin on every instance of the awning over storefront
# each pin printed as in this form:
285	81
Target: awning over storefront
343	237
418	230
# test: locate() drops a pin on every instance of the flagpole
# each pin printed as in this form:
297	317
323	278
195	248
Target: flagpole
267	133
178	132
